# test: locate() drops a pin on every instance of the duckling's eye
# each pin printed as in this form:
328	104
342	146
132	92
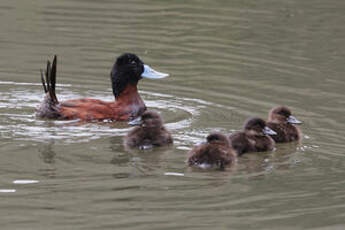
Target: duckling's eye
133	62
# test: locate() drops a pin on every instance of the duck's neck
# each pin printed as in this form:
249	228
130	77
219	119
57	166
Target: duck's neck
130	101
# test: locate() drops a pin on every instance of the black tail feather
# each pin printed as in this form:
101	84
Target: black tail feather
53	78
43	82
49	82
48	74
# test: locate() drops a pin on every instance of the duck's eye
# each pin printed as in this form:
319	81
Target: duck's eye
133	62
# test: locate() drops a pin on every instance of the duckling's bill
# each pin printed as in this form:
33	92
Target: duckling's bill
153	74
135	122
293	120
269	131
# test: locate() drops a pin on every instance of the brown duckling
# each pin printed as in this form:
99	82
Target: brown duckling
282	122
254	137
215	152
150	132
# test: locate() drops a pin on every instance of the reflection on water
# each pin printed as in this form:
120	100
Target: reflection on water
47	153
228	60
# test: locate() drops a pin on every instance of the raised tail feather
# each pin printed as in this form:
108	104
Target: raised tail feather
48	108
49	80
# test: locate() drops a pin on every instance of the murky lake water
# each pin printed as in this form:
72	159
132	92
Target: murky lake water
228	60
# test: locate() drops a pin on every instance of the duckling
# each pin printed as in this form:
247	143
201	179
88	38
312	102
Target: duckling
127	70
150	132
215	152
254	137
282	122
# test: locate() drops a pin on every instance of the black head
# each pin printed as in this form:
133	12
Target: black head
151	119
218	137
126	70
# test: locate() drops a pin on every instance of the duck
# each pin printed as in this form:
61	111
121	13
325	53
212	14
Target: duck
216	152
283	123
253	138
150	132
126	72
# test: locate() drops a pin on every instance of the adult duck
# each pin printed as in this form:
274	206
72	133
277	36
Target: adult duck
127	70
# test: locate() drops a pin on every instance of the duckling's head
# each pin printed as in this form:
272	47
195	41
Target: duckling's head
129	69
257	126
217	137
151	119
282	114
148	120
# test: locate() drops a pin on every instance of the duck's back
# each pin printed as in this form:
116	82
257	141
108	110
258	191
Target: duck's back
244	143
241	143
212	154
87	109
162	138
263	143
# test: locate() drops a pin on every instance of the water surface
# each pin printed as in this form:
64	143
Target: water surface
228	60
